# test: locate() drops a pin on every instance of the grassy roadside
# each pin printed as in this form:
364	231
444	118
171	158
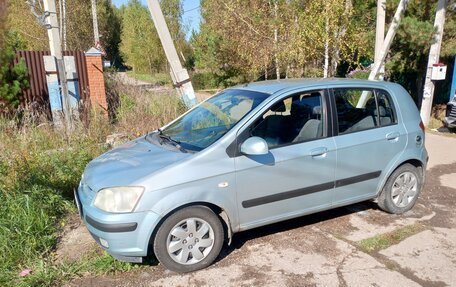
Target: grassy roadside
158	79
40	167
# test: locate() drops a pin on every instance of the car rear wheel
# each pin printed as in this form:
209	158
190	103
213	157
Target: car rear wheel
190	239
401	191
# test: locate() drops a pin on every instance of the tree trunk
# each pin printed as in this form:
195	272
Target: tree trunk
276	41
266	71
326	67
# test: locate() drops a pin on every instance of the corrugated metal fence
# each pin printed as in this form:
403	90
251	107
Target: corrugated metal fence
37	96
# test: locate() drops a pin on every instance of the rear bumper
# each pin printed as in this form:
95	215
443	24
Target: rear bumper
126	236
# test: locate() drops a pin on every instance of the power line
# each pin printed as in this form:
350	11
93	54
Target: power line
189	10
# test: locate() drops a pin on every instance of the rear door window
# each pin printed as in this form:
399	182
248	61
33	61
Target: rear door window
361	109
356	109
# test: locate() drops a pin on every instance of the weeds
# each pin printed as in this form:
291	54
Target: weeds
48	274
158	79
383	241
40	167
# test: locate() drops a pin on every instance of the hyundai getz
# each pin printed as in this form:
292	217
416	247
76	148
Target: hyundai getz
249	156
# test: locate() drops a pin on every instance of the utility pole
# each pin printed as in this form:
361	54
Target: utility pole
96	34
179	74
51	23
380	34
434	55
388	39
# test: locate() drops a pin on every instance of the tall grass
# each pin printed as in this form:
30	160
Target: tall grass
39	168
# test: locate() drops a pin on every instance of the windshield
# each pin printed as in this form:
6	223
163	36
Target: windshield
213	118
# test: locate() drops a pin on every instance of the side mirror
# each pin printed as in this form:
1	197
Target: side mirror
254	146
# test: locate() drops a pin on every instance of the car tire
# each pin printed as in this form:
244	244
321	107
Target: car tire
189	239
401	190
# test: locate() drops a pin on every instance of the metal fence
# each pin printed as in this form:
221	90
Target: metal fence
36	96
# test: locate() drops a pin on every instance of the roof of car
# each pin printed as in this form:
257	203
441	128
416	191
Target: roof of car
273	86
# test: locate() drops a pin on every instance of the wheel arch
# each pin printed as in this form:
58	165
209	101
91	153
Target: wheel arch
413	161
219	211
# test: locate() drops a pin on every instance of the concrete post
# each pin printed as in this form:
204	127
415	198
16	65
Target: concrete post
434	55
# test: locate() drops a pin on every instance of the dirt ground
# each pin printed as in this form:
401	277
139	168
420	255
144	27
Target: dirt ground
325	249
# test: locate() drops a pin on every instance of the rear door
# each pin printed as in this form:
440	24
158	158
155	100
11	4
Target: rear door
297	176
368	139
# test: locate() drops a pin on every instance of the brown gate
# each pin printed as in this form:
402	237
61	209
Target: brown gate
37	96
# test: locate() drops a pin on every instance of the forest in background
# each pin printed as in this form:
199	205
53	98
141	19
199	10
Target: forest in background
241	41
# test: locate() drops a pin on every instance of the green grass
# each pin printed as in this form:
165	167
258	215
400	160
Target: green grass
48	274
159	79
38	170
40	167
386	240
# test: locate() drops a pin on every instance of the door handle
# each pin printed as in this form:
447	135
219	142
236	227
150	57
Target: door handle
321	151
392	136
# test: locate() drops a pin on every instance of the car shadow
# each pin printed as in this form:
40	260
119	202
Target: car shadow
239	239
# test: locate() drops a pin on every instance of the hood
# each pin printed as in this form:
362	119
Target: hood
129	163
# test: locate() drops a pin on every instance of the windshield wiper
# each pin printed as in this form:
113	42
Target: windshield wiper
176	143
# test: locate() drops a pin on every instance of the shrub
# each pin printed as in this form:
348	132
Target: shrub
13	78
205	80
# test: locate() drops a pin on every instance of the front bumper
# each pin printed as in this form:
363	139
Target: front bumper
125	235
450	122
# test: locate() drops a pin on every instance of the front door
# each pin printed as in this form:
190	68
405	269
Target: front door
297	176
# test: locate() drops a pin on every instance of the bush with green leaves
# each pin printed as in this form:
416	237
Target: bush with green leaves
13	77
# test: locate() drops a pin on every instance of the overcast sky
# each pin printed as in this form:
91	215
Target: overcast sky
191	16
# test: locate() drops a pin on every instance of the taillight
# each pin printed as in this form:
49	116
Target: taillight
422	126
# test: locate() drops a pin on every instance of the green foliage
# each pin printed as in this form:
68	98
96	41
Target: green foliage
79	29
110	25
159	79
203	81
38	170
449	37
408	57
247	41
13	77
141	47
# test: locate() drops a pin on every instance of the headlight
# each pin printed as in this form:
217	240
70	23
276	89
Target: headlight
118	199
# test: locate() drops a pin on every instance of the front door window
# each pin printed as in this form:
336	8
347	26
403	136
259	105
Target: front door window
295	119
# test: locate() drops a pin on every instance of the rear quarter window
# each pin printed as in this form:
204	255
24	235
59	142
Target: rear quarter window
386	110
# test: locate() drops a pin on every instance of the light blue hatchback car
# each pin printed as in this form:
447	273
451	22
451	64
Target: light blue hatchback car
250	156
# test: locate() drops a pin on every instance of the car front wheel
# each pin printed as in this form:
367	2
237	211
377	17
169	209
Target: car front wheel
401	191
190	239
